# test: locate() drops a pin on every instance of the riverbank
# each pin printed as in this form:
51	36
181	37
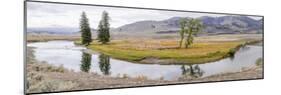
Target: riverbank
254	72
43	77
43	38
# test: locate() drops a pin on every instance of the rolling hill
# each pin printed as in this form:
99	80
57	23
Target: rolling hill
216	25
224	24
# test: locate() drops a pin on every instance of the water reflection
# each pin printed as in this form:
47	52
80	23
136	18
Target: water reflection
86	62
56	53
241	49
193	71
231	57
104	64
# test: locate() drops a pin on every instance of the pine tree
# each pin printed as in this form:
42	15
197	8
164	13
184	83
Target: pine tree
100	32
104	28
85	30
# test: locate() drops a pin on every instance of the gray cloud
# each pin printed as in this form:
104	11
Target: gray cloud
53	15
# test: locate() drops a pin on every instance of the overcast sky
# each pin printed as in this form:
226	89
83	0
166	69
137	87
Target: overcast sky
65	15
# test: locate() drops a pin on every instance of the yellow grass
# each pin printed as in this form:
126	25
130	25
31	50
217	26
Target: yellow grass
137	50
40	38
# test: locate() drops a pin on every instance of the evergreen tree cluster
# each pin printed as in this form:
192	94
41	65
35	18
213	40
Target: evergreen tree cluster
103	29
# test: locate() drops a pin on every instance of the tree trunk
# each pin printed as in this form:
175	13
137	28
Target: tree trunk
180	42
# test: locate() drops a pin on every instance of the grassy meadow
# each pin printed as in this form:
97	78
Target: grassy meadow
65	52
167	51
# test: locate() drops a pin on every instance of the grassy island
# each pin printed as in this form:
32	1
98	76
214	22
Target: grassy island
163	51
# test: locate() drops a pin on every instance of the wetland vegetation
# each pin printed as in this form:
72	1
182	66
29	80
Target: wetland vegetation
120	52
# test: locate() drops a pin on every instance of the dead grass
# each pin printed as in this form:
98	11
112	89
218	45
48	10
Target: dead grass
137	50
204	49
43	77
37	79
42	38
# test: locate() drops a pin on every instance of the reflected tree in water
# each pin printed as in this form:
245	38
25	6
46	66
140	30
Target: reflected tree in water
104	64
193	71
232	57
86	62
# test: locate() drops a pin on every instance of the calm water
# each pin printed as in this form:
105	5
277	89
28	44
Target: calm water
72	57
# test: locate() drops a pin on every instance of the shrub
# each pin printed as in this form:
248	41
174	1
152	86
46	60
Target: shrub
141	77
231	52
259	61
125	76
52	85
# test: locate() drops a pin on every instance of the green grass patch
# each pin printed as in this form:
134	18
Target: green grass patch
133	50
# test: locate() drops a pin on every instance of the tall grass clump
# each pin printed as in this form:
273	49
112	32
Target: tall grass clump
259	61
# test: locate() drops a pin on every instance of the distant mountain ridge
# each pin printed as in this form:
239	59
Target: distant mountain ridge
223	24
53	30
